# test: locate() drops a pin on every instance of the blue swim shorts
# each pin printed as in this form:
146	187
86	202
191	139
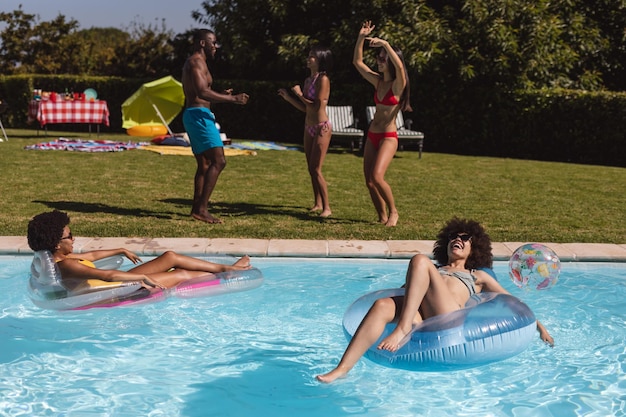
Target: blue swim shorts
200	126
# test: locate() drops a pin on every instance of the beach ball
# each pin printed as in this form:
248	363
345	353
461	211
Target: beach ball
534	266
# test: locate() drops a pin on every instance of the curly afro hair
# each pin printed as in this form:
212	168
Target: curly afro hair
45	230
480	255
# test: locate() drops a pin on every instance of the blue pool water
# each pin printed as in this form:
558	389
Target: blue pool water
257	352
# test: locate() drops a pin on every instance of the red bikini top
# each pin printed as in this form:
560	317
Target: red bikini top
388	100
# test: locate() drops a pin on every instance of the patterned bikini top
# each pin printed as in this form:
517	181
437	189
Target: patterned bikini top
309	87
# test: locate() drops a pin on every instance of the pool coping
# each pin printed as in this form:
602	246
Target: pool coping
383	249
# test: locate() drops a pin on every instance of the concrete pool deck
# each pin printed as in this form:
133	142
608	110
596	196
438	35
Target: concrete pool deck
389	249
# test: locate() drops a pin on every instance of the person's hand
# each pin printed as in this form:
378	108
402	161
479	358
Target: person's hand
545	336
366	28
241	98
148	283
132	257
283	93
297	90
376	42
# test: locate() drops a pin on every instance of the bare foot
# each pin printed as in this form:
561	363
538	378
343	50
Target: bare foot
315	208
393	219
331	376
207	219
243	262
326	213
394	341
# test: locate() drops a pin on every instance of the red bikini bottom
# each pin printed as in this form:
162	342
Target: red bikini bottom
376	137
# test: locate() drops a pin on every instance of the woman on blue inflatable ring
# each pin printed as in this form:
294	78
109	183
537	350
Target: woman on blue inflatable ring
461	248
50	231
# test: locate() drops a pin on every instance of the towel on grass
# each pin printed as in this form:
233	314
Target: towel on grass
184	150
262	146
79	145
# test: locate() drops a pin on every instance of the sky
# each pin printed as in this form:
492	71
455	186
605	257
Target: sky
112	13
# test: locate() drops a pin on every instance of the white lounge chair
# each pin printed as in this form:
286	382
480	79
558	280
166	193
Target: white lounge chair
3	107
345	125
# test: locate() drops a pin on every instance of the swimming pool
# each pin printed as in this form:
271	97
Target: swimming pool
257	352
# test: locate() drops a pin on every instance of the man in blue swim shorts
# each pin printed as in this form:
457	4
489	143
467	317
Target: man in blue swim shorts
199	121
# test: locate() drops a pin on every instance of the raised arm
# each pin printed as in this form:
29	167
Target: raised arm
357	59
400	81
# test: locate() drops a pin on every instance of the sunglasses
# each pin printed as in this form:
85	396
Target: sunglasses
464	237
70	237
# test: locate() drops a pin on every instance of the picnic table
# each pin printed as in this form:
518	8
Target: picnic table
69	111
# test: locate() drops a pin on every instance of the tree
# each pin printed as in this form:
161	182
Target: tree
510	43
14	37
96	51
507	44
148	53
524	43
610	17
30	46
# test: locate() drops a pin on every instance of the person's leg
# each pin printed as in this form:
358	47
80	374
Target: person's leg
380	314
171	268
319	149
309	141
424	286
208	150
210	164
386	152
173	260
370	155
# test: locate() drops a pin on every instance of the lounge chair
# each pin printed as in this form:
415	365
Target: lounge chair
345	125
405	134
3	107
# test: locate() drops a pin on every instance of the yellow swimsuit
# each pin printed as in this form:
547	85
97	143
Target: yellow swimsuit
86	263
81	261
91	283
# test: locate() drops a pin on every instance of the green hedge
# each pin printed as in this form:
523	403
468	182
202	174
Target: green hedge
552	125
555	125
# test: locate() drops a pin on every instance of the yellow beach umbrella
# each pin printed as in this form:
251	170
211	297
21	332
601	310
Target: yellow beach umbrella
156	102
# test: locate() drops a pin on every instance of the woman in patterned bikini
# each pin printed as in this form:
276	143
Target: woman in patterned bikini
317	129
392	95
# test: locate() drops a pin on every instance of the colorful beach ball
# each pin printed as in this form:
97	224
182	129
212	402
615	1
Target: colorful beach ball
534	266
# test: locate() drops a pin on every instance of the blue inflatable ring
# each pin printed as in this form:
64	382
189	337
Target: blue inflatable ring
490	328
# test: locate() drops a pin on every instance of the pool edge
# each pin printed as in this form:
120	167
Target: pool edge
388	249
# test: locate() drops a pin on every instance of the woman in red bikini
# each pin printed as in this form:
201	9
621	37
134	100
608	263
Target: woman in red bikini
317	128
392	95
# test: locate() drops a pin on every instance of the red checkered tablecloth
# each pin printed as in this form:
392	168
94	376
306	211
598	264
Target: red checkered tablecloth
69	112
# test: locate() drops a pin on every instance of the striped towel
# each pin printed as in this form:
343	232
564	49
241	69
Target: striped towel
79	145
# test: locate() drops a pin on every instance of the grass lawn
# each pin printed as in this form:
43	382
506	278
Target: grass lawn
142	194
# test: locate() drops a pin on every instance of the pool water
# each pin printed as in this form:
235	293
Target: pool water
257	352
